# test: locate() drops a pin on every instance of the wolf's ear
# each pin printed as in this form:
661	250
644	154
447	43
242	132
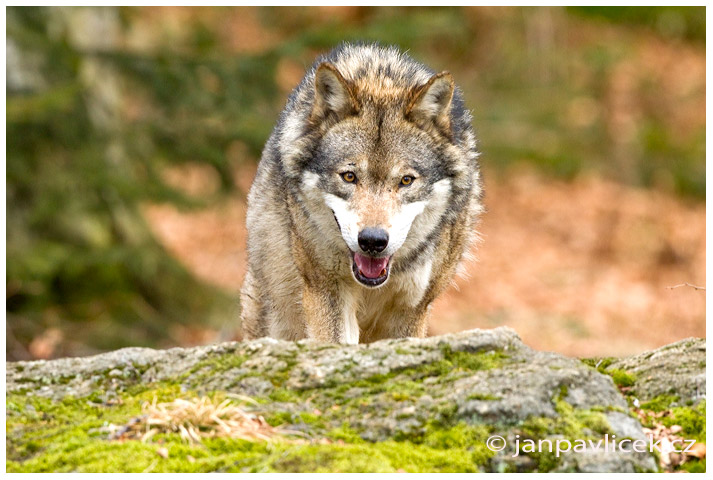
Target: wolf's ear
430	104
332	95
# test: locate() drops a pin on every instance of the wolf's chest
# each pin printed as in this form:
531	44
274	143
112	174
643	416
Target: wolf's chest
403	290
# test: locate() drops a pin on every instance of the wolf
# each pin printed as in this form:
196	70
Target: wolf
365	201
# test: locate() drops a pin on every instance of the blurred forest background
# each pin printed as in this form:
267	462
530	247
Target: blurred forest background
133	135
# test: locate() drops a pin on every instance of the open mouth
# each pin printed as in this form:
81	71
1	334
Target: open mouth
370	271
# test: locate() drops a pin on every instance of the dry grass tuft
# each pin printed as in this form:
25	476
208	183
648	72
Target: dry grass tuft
201	418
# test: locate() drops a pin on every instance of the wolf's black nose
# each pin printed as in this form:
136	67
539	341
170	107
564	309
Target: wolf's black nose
373	239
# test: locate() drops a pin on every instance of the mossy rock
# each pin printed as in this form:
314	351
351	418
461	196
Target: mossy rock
415	405
675	372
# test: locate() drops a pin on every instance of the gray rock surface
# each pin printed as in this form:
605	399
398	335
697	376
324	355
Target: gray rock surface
678	369
399	389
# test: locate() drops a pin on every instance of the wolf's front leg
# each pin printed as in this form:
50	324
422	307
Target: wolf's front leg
399	323
329	315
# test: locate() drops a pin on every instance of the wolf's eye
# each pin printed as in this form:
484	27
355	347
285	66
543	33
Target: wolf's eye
349	177
406	181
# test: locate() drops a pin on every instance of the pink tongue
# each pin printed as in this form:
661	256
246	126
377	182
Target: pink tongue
370	267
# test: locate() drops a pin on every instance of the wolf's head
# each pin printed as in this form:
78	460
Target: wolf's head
389	154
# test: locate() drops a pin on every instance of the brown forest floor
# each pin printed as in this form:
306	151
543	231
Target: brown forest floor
582	267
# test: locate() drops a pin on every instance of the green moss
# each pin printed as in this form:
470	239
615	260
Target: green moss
383	457
572	423
599	363
481	396
345	433
460	448
409	385
44	435
545	460
535	427
400	396
70	435
564	391
67	436
609	408
470	360
310	418
222	362
218	363
279	378
660	403
622	378
409	380
695	466
284	395
691	419
334	458
379	394
461	435
65	379
280	418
